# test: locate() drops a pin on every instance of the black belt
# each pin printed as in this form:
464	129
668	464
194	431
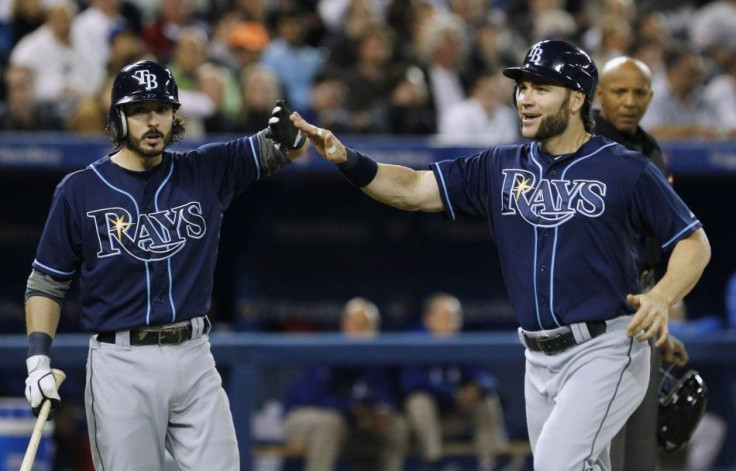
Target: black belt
552	345
161	335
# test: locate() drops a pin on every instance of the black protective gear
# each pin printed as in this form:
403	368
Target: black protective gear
141	81
559	62
682	404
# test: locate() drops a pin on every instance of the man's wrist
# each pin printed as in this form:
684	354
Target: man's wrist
39	343
358	168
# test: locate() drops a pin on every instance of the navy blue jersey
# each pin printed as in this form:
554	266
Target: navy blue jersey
566	226
145	243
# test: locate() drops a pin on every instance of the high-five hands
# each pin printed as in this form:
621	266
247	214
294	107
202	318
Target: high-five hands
326	143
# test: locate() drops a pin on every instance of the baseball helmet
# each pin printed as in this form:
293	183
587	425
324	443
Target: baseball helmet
682	404
141	81
561	62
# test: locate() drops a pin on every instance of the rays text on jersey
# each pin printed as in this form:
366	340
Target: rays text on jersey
549	203
152	236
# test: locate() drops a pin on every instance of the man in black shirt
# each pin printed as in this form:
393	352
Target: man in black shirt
624	92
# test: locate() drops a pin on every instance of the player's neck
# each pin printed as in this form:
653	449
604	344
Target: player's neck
568	142
135	161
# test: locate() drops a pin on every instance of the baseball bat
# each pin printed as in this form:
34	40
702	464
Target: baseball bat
43	415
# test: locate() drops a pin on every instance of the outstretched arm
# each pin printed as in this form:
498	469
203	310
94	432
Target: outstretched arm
686	265
394	185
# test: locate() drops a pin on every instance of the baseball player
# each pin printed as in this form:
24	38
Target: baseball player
564	211
624	93
139	227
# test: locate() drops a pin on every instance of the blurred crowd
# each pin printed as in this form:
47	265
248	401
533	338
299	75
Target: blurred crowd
419	67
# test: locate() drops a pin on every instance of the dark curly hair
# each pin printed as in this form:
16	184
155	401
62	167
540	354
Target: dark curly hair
586	113
177	132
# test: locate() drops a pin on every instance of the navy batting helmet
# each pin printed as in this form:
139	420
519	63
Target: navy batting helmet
560	62
141	81
682	404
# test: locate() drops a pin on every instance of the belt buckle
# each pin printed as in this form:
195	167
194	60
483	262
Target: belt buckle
543	342
166	330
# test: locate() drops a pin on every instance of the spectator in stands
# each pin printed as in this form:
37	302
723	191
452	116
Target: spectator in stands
682	112
495	43
350	409
212	81
125	47
616	38
26	17
21	111
408	19
713	25
483	118
60	70
296	63
410	108
369	80
721	95
90	116
189	56
450	400
259	88
443	50
328	100
651	39
343	36
173	16
554	23
247	40
91	30
189	52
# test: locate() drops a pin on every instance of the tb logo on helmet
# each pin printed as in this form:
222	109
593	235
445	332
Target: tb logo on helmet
535	55
148	79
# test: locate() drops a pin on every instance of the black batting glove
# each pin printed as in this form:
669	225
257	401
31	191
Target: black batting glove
281	130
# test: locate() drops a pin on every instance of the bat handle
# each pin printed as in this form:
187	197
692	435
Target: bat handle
43	416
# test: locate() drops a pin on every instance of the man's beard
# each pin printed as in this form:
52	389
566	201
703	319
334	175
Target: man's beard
556	124
134	144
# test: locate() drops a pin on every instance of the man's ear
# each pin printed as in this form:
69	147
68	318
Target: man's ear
577	100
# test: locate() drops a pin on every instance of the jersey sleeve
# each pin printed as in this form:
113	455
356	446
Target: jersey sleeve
464	185
662	211
232	166
58	253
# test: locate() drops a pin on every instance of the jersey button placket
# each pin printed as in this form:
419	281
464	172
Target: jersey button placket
544	254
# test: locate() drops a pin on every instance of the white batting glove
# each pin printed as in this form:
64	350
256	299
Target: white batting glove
40	384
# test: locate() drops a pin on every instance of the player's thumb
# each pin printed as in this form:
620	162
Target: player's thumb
633	300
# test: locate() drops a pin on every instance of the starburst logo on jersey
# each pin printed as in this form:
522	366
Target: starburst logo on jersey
549	203
153	236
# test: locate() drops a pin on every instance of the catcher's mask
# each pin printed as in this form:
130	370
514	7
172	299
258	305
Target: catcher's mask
682	404
142	81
